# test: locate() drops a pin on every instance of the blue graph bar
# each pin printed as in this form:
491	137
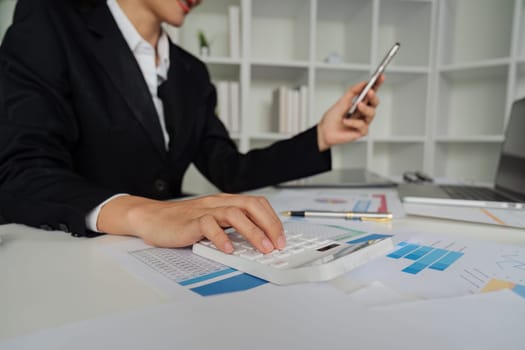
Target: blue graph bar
446	261
425	261
229	285
520	290
417	254
371	237
403	251
207	277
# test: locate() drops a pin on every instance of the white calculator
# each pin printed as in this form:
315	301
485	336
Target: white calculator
307	257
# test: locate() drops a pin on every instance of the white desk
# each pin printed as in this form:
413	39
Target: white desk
49	279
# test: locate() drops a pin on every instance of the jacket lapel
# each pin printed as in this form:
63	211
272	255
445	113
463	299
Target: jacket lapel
113	53
177	103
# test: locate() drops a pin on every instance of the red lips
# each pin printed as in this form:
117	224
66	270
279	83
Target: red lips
185	5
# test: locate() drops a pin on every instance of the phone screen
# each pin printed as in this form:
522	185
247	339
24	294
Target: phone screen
379	70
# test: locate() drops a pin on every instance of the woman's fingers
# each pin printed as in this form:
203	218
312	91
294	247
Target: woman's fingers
262	214
183	223
236	217
210	228
257	210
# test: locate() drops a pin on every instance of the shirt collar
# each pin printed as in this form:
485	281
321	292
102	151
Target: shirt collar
129	32
134	40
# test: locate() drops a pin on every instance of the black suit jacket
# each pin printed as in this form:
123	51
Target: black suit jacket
78	124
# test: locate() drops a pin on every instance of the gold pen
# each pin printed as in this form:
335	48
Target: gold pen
348	215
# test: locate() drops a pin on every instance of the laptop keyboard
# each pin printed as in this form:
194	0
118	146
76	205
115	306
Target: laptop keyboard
474	193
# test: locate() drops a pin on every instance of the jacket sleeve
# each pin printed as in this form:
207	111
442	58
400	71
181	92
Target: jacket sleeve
220	161
38	133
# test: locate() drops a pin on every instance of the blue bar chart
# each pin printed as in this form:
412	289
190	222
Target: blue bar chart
200	275
424	257
370	237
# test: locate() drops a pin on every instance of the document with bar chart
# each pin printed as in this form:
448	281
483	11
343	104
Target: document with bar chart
181	273
443	267
337	200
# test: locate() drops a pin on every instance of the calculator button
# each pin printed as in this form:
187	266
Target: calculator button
282	255
296	250
266	259
239	251
251	255
311	245
293	235
280	264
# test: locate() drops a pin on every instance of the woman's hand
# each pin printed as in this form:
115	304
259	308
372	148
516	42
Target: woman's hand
182	223
334	128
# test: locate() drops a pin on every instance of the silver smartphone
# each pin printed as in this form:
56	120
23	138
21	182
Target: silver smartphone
380	69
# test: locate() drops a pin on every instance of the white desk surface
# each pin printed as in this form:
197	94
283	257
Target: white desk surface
49	279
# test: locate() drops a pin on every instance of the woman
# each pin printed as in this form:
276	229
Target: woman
101	116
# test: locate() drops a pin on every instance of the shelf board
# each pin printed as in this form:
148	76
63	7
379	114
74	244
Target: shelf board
470	139
467	66
343	66
221	60
494	70
279	63
398	139
408	69
367	68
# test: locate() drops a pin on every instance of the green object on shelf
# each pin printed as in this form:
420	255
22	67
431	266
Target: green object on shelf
203	41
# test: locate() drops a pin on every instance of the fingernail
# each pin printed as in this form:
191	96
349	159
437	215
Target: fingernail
268	246
281	242
228	248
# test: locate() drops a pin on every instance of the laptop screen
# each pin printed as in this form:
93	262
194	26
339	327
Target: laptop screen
511	169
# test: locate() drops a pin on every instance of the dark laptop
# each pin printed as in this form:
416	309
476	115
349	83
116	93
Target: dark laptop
341	178
509	187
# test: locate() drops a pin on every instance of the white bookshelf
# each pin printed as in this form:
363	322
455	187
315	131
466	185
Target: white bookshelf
479	45
444	105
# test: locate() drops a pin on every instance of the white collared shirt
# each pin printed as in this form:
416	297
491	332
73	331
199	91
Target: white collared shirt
154	75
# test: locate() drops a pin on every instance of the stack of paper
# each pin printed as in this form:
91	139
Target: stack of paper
492	216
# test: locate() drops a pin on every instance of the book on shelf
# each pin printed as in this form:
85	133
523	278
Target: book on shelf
279	108
290	109
234	100
292	124
303	108
228	104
